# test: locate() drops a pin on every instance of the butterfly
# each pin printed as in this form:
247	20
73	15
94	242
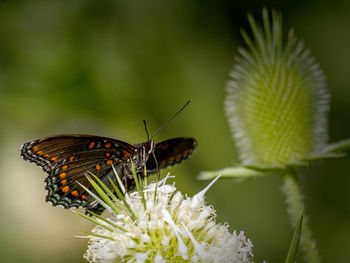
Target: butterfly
67	158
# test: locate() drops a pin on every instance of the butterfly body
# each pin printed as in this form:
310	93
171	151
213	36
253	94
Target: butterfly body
67	158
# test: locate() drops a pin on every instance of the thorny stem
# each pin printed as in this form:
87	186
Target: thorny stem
295	204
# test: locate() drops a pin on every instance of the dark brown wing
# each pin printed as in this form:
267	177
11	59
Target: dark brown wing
67	158
171	152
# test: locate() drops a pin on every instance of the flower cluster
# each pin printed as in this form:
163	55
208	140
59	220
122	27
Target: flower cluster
160	224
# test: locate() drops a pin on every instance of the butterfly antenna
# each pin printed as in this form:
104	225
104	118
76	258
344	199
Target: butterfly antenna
144	124
170	119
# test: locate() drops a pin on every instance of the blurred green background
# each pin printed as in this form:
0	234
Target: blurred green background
101	67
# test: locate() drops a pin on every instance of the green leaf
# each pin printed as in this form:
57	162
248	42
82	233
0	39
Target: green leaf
337	147
267	169
293	249
231	172
322	157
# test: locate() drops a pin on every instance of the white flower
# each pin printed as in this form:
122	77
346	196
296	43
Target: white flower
169	228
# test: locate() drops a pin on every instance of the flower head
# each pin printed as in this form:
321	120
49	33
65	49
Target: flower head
277	99
160	224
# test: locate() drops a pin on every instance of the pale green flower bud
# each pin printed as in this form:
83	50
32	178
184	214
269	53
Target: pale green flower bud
277	99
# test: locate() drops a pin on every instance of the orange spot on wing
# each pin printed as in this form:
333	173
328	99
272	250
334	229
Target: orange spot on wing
64	167
107	154
84	197
108	145
109	162
40	152
54	159
35	148
178	157
71	158
98	167
131	148
91	145
62	175
65	189
75	193
186	152
46	155
64	181
165	146
126	153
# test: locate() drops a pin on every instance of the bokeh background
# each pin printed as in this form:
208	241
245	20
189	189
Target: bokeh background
101	67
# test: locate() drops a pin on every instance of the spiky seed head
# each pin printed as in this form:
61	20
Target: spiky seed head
277	99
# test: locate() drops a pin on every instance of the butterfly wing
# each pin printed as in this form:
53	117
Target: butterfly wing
170	152
67	158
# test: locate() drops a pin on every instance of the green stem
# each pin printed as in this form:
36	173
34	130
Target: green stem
294	200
